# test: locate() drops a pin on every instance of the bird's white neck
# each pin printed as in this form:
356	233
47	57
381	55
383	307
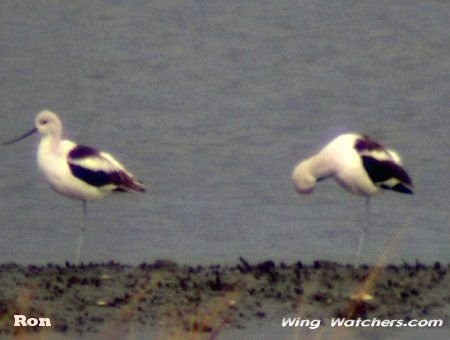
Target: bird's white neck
50	142
309	171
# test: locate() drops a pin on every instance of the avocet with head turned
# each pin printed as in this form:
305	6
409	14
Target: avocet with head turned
74	170
359	164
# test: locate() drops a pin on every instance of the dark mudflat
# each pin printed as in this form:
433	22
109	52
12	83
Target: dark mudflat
168	298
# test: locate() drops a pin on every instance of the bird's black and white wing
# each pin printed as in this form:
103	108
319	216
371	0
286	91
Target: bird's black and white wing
100	169
383	166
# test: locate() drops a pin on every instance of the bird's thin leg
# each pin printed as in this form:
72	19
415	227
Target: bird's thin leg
363	232
81	237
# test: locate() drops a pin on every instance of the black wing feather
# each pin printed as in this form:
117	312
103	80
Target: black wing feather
96	178
380	171
99	178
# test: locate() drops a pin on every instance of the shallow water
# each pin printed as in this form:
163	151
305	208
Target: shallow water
212	104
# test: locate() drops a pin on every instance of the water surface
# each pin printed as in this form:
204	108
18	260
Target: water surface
212	104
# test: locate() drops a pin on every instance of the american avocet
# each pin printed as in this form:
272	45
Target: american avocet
77	171
360	165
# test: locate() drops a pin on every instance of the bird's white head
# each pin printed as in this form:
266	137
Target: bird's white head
48	123
304	180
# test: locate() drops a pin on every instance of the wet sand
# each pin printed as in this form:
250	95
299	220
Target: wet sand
168	299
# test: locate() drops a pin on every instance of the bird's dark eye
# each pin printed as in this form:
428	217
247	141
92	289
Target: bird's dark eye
44	121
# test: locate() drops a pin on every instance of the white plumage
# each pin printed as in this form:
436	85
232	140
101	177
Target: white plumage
77	171
359	164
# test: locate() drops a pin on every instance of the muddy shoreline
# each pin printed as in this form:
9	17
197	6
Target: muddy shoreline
178	299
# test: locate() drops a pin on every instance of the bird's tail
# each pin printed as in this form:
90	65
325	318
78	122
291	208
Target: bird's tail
126	182
133	184
137	186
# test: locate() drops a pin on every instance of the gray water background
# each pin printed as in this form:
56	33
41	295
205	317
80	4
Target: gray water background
211	104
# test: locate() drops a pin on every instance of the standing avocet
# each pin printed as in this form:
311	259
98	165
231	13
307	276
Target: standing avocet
74	170
359	164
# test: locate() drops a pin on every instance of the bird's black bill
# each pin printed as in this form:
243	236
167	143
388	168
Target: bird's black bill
15	140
